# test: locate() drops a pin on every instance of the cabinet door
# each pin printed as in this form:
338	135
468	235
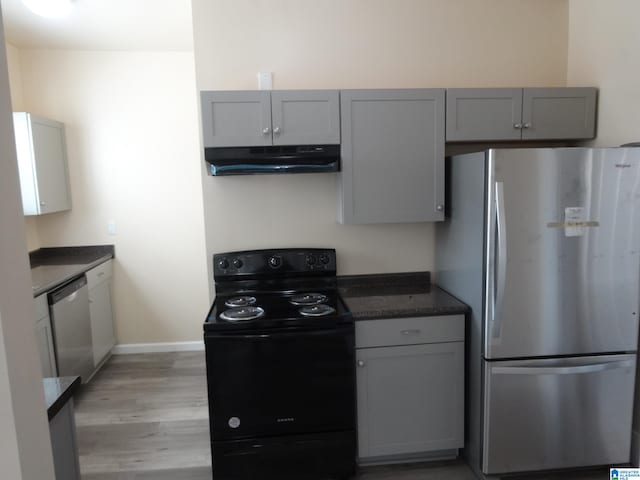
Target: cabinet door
236	118
479	114
305	117
102	334
410	399
64	444
50	156
44	339
392	156
558	113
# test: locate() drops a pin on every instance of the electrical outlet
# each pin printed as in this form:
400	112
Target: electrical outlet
265	81
111	227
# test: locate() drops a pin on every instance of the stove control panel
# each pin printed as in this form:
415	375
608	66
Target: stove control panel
281	262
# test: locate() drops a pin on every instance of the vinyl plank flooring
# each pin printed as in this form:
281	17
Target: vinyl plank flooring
145	417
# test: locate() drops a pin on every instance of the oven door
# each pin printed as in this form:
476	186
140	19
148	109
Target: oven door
280	382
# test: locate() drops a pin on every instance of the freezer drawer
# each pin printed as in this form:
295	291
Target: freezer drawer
557	413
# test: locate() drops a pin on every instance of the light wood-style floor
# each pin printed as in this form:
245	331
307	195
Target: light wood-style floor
145	417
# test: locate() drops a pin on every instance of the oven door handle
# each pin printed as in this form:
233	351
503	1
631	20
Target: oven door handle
342	330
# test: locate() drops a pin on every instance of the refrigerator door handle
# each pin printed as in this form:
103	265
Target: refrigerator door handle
500	259
573	370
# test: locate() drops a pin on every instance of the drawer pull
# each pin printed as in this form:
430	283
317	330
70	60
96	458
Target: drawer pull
413	331
361	363
101	274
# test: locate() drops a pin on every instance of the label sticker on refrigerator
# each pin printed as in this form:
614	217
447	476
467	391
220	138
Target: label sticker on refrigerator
574	222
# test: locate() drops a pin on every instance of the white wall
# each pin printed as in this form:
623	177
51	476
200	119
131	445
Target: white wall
132	138
358	44
604	43
25	450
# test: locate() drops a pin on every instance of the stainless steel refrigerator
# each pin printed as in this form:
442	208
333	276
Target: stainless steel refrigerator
544	245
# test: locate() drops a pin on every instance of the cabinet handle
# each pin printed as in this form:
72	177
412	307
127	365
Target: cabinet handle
276	130
266	130
101	274
361	363
413	331
439	208
517	126
527	125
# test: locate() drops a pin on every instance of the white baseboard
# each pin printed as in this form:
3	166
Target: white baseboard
635	448
131	348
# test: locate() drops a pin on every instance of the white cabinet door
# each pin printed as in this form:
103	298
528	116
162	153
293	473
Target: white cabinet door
236	118
100	310
410	399
42	160
305	117
44	339
392	156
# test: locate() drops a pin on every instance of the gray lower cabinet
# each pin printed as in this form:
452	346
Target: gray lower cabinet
511	114
42	162
44	337
64	445
392	156
264	118
100	310
410	396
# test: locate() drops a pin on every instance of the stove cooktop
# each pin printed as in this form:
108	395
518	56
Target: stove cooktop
257	310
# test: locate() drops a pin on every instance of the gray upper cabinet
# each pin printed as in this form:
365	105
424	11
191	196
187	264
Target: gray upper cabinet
392	156
484	114
557	113
305	117
42	160
263	118
236	118
504	114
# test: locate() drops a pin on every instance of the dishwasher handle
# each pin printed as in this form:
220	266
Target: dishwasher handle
67	290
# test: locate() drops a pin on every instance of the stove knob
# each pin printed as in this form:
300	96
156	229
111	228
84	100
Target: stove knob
311	260
275	261
237	263
223	264
324	259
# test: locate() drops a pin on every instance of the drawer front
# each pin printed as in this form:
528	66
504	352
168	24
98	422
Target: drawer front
99	274
42	307
409	331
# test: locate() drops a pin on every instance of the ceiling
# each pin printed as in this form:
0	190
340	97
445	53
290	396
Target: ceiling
147	25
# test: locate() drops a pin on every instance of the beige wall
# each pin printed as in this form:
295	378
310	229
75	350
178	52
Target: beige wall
604	39
25	448
132	138
604	43
17	103
358	44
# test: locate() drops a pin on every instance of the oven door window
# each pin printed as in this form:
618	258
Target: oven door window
279	383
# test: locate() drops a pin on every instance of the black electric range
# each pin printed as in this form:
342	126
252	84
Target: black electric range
280	356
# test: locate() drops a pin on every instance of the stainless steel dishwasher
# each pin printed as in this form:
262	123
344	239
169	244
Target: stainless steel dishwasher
69	307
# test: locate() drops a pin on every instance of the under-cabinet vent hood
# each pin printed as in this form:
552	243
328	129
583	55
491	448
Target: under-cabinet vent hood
272	159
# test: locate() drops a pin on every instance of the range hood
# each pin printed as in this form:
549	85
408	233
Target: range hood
272	159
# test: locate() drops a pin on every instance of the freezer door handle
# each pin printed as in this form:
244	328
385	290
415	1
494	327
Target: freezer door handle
500	259
568	370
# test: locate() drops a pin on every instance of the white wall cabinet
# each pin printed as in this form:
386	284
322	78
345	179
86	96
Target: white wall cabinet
264	118
410	394
44	337
512	114
101	312
42	160
392	156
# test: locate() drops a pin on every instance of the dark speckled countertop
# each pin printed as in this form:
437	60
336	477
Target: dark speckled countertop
58	391
51	267
396	295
